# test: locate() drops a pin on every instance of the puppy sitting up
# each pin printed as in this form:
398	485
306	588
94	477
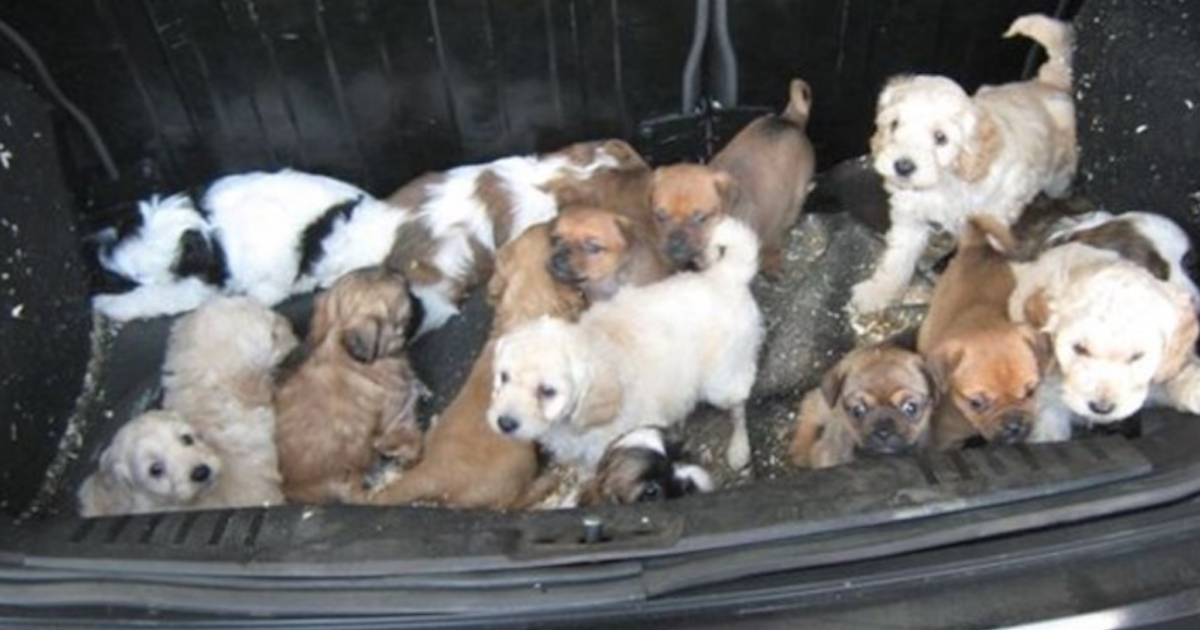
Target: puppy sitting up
989	365
156	462
351	394
877	400
644	466
646	356
600	251
761	177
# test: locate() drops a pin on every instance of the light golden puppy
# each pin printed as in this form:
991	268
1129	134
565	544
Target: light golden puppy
877	400
945	155
1121	337
219	375
350	395
465	463
989	365
645	357
761	177
156	462
600	251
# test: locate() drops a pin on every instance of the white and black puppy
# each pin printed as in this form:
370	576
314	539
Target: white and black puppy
644	465
264	235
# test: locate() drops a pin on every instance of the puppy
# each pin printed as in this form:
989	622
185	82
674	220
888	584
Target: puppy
600	251
349	395
647	356
945	156
264	235
988	365
642	466
156	462
878	399
761	177
465	464
1121	337
463	215
218	374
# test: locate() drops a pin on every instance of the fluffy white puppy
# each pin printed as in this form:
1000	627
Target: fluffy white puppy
645	357
218	374
945	155
265	235
156	462
1121	337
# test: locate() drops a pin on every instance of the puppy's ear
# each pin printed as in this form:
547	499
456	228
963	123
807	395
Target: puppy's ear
935	386
197	257
1038	310
942	365
1042	346
831	383
979	150
727	187
115	466
364	343
1180	345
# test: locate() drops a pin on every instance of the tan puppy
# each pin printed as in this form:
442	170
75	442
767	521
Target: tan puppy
466	464
600	251
877	399
352	396
989	365
761	177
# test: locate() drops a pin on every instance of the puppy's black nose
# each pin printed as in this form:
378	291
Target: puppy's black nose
560	266
1101	407
507	424
884	429
678	249
904	167
1014	428
201	473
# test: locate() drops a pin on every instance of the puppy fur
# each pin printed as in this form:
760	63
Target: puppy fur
466	464
156	462
643	466
464	215
945	156
600	251
989	365
219	375
349	394
645	357
761	177
878	399
1121	338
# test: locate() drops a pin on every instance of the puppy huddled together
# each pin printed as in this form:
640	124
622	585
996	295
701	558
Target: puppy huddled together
621	298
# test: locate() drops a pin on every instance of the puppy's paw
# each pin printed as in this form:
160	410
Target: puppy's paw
738	453
871	296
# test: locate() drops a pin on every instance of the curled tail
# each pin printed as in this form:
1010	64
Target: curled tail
984	230
799	102
1057	37
732	251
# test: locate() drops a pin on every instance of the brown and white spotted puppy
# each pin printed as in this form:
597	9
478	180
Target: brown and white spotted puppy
462	216
644	466
878	399
348	395
599	251
761	177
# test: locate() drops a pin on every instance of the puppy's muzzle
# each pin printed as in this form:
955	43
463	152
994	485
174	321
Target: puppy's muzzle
904	167
1014	428
201	474
1101	407
508	424
885	439
681	253
560	267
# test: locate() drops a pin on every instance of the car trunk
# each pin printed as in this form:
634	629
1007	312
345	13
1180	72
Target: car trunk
153	97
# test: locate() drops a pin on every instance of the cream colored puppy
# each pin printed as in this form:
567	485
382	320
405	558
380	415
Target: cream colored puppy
646	357
945	155
156	462
218	375
1121	337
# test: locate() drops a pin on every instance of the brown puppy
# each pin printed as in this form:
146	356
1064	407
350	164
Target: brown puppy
989	366
466	464
762	177
877	399
600	251
348	395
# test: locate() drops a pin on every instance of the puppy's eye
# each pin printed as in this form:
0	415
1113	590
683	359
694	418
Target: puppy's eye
187	440
858	411
157	469
939	138
1030	389
650	492
910	408
1081	350
503	378
699	218
660	215
545	391
1137	356
592	248
979	403
895	124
